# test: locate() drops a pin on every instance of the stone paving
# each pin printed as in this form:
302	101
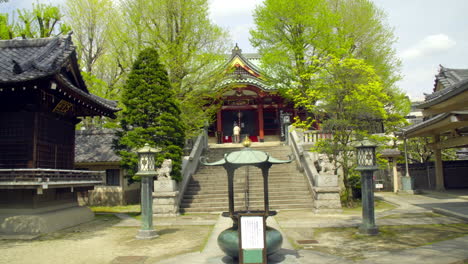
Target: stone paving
447	252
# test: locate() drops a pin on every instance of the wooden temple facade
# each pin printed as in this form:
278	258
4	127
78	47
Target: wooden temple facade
249	101
42	94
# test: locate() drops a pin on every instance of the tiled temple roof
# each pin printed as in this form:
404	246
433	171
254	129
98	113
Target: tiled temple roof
26	60
252	61
95	146
453	82
29	59
448	76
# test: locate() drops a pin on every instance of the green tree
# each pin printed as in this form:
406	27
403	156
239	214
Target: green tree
352	96
6	29
420	151
191	47
295	36
40	22
290	36
101	49
151	115
335	59
91	21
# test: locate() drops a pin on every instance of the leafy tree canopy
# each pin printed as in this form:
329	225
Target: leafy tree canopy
43	20
333	58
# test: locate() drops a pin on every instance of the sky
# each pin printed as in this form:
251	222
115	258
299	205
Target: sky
429	33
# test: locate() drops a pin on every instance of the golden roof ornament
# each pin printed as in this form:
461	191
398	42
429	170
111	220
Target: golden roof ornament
246	142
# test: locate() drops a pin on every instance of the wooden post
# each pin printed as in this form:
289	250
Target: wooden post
219	122
396	180
261	123
266	202
439	170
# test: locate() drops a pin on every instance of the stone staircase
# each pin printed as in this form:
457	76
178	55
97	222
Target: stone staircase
208	191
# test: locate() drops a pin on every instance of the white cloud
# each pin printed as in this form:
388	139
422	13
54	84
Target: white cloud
429	45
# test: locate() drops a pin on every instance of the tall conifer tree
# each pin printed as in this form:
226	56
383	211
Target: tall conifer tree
151	115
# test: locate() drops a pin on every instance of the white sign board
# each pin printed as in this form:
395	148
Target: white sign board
379	185
252	232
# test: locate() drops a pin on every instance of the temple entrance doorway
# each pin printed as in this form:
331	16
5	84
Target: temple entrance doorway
247	120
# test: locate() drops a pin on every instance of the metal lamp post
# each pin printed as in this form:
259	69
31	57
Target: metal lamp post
146	170
366	162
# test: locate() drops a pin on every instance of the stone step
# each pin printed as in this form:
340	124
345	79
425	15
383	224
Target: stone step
252	194
207	190
290	169
201	190
242	181
258	199
271	175
241	202
225	209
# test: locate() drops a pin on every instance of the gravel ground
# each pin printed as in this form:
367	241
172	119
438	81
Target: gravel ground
100	241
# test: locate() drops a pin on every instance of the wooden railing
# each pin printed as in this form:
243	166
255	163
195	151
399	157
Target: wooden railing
48	175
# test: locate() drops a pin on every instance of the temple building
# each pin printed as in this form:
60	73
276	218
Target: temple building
94	152
445	120
42	94
250	102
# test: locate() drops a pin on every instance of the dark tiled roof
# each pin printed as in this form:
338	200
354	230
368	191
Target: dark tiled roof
448	77
28	59
453	81
445	94
414	127
112	105
23	60
95	146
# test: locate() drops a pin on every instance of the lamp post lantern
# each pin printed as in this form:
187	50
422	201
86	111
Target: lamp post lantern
146	170
366	164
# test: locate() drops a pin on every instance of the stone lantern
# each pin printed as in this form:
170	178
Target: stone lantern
391	155
366	164
146	170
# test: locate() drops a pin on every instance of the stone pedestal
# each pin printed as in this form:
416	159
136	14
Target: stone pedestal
326	194
165	198
407	185
368	225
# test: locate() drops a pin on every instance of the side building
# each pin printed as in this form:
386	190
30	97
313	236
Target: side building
42	96
445	120
93	152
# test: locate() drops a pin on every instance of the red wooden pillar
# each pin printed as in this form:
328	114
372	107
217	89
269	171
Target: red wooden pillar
261	123
219	121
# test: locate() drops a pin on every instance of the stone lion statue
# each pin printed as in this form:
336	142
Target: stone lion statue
323	165
165	171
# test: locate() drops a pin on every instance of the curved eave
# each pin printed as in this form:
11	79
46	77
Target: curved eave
246	81
106	107
437	125
449	99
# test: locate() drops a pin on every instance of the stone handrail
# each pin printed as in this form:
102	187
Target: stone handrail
312	136
301	157
324	187
190	163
